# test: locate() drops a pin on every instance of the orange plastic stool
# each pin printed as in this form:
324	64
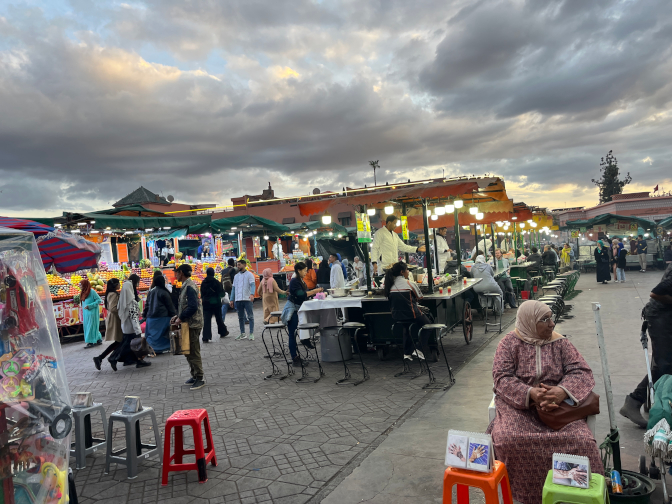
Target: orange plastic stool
193	418
487	482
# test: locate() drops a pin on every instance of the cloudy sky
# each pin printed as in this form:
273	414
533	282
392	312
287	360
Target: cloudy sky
208	99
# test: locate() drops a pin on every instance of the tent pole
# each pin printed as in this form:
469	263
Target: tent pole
403	213
365	252
425	225
476	234
436	254
492	231
458	248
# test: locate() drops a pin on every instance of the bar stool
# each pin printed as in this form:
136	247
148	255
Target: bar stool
134	445
275	370
305	377
487	482
199	422
495	298
347	379
84	441
276	315
433	385
596	493
407	327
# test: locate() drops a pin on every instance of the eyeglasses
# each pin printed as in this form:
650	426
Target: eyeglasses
546	320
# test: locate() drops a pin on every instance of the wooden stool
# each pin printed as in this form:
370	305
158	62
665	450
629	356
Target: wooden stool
193	418
487	482
595	494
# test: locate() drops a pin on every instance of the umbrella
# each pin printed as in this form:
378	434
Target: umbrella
66	252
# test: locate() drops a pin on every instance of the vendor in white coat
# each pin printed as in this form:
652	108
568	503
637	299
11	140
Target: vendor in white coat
387	244
336	280
278	252
442	249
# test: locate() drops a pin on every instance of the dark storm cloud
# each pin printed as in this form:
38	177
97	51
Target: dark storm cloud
209	100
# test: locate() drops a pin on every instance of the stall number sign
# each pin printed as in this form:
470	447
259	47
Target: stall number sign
363	228
575	233
404	227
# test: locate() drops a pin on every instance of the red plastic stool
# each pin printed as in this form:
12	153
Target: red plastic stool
489	483
177	420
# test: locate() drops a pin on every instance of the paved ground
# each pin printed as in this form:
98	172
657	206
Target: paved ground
277	442
408	465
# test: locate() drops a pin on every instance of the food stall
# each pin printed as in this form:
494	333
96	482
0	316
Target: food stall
35	405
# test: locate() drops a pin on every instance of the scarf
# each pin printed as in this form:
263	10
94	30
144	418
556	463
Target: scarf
268	279
529	313
86	290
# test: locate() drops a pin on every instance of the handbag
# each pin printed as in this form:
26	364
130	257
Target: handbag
141	347
565	414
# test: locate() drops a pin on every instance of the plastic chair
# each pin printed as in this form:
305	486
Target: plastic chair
195	419
85	444
595	494
489	483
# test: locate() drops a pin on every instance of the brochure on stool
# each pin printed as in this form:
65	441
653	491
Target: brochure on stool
571	470
469	450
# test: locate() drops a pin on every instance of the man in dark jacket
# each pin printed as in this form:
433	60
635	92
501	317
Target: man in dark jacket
535	258
212	293
190	311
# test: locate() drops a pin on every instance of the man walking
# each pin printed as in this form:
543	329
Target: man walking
242	295
641	253
190	312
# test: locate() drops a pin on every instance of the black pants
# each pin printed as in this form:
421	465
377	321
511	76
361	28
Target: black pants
419	322
208	311
111	348
123	353
660	334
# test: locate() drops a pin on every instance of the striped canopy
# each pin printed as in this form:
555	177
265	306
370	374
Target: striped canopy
66	252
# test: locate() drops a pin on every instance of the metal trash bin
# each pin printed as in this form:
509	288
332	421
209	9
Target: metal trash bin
329	344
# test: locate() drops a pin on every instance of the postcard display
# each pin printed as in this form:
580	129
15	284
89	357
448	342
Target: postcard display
35	406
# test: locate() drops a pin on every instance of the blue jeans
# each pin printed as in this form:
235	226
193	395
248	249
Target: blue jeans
225	310
620	274
243	307
291	327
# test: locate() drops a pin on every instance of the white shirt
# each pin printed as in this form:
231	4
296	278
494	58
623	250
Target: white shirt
359	269
442	251
336	280
243	286
278	252
386	247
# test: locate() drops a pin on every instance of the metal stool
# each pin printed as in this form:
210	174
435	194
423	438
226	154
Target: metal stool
407	326
275	315
84	441
347	379
305	377
433	385
134	445
275	370
498	298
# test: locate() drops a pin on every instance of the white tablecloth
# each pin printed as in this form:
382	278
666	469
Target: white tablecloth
322	311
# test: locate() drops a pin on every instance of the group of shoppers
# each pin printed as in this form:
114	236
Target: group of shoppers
611	258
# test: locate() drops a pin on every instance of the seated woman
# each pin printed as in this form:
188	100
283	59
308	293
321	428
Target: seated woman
158	311
488	284
404	295
535	366
504	281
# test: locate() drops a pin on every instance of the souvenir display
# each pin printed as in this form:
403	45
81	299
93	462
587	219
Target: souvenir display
35	408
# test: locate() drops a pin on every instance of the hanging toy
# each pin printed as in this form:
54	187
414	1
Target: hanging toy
52	485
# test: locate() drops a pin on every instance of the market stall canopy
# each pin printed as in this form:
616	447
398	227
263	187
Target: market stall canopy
131	211
65	252
246	223
665	223
317	225
613	219
103	221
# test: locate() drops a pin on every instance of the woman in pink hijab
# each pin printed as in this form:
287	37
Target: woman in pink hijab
269	290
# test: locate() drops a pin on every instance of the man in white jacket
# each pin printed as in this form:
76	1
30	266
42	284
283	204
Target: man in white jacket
442	249
387	244
337	280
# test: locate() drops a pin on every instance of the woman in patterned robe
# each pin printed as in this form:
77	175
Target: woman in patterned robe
534	365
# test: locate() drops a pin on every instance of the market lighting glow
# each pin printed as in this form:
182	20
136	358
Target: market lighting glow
233	228
399	224
75	231
92	222
646	235
479	215
232	234
533	224
163	228
59	225
522	225
435	217
450	208
326	219
499	223
340	235
331	233
429	212
440	210
458	203
389	209
265	237
371	211
473	210
81	223
148	230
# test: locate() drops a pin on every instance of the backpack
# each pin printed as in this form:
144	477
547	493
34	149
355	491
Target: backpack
227	284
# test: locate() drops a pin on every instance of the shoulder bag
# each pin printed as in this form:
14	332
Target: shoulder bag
565	414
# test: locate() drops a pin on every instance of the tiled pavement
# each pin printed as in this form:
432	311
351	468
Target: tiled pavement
276	442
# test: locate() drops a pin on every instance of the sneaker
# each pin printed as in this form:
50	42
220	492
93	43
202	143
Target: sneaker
251	338
142	364
241	336
408	357
190	381
198	384
419	354
96	362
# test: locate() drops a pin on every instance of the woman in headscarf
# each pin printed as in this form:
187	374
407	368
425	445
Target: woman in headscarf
534	366
212	293
129	313
488	284
602	263
567	256
113	331
91	310
268	290
159	309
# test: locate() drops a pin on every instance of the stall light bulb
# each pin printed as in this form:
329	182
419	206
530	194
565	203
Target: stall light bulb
389	210
265	237
440	210
232	234
634	235
450	209
646	235
522	225
499	223
479	215
340	235
429	212
435	217
163	228
371	211
473	210
326	219
458	203
331	233
514	218
591	234
533	224
508	234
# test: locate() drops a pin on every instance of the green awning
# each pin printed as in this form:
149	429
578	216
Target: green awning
647	225
168	234
334	227
139	209
249	224
103	221
47	221
665	223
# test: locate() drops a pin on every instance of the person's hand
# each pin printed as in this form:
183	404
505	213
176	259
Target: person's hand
320	289
457	451
581	477
252	297
477	453
535	394
421	248
551	397
231	304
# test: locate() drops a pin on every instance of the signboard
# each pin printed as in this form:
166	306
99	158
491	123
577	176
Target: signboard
404	227
575	233
363	228
633	227
226	247
582	229
68	313
122	252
